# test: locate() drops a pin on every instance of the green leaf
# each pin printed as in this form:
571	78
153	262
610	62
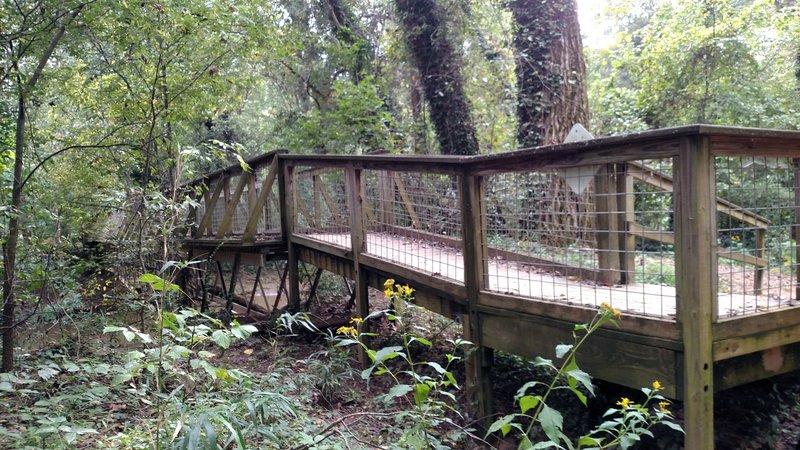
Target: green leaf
583	378
437	367
158	283
552	422
586	441
121	378
563	349
222	338
399	390
672	425
502	424
5	386
628	440
529	402
421	393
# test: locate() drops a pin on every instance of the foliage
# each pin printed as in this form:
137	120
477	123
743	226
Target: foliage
425	389
720	62
623	426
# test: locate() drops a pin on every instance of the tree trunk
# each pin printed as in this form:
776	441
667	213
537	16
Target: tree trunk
440	70
551	93
10	245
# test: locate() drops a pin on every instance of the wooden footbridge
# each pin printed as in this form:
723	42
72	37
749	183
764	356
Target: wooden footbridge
689	231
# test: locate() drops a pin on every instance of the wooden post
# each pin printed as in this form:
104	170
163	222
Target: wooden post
696	273
479	363
287	195
626	215
315	196
606	223
386	203
796	227
761	242
355	198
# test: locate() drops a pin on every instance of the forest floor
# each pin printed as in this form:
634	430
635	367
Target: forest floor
54	404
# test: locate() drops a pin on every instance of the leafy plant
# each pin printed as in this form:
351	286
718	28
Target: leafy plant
625	425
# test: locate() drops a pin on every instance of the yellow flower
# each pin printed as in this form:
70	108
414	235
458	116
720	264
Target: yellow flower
657	385
388	284
625	402
406	290
347	331
662	406
605	308
357	321
388	292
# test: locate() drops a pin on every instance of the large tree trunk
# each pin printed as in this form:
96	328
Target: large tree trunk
440	70
551	93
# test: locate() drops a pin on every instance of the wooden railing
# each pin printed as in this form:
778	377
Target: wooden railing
239	203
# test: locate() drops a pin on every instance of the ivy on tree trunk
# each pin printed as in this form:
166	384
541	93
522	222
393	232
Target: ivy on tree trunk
551	93
440	71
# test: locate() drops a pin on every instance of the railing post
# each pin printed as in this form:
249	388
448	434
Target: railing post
287	194
606	223
479	362
626	215
796	227
355	199
696	273
386	200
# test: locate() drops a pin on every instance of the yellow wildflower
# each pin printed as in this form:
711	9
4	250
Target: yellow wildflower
606	308
388	292
347	331
657	385
625	402
388	283
662	406
356	321
406	290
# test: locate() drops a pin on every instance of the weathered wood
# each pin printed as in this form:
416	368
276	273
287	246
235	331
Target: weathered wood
358	242
743	345
209	212
338	216
626	200
614	359
407	203
696	267
478	363
755	324
232	289
607	223
257	207
665	330
756	366
288	196
796	226
761	244
387	198
664	182
232	203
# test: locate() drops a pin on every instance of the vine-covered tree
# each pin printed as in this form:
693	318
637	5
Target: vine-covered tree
551	93
439	66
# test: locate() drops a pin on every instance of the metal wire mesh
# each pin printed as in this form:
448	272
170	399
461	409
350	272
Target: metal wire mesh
414	219
585	235
321	209
758	266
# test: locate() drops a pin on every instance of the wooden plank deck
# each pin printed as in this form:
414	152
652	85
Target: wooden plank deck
508	277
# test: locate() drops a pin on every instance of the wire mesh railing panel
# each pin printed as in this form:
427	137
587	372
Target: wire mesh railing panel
320	203
585	235
414	219
758	254
269	220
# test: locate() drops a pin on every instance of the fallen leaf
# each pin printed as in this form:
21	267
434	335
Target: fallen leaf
248	351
